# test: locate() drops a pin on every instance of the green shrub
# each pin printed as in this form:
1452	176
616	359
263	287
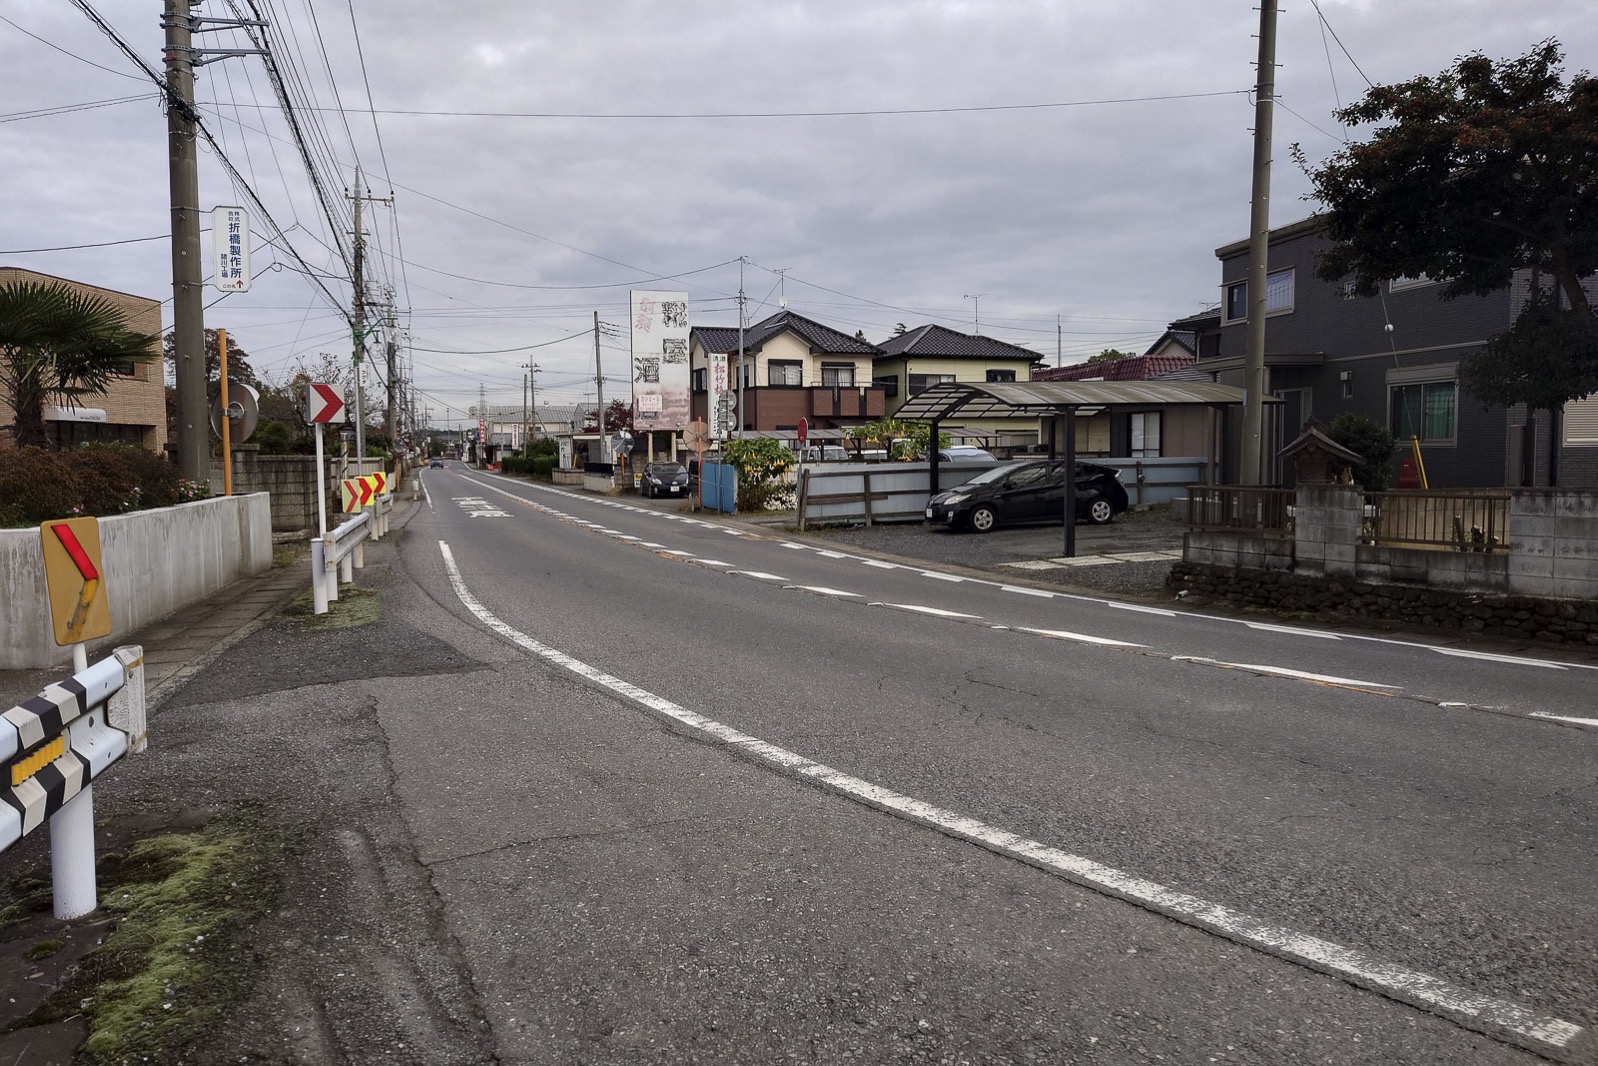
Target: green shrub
96	479
37	485
1371	440
544	467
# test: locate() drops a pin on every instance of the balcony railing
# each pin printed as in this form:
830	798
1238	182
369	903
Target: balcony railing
1458	520
1239	507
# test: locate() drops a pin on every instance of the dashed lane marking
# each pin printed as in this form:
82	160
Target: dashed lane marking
1080	638
1282	671
1499	1018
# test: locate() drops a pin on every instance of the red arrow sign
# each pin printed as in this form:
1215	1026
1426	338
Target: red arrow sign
380	482
366	491
323	404
80	558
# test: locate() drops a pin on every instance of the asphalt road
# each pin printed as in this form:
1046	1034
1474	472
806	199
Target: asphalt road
611	783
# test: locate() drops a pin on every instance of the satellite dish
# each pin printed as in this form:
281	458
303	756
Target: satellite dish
244	411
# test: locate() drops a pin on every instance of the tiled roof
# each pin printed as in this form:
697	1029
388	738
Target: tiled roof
821	338
1134	368
933	340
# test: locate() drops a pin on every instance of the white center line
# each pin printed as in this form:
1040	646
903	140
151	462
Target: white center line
1138	607
918	609
1481	1013
1563	718
1291	631
1282	671
761	574
1488	656
822	590
1083	638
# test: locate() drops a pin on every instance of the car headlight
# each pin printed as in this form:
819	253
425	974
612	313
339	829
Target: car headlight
959	497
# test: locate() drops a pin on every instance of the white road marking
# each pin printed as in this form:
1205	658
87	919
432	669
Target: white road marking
791	544
822	590
1292	630
918	609
678	552
649	544
830	554
1138	607
1563	718
1488	656
1026	592
1282	671
1479	1012
760	574
942	577
880	565
1083	638
711	562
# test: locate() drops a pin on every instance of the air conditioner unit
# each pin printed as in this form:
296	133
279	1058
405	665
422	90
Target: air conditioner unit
1345	375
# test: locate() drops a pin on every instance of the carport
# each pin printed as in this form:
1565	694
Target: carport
1065	399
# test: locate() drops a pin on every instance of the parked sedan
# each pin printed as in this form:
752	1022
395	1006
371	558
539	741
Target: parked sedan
1029	492
664	479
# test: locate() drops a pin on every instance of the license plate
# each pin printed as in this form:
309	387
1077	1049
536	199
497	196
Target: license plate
676	488
929	512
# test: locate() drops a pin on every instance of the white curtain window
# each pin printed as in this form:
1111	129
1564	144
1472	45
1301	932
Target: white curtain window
785	373
837	374
1145	434
1279	291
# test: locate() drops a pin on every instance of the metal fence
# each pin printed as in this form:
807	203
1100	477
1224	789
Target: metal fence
1240	507
1457	520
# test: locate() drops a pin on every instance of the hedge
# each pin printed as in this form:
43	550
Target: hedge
37	485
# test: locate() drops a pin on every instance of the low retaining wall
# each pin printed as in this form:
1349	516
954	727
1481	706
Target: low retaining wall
1525	617
156	563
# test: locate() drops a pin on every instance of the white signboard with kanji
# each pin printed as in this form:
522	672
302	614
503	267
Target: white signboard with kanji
718	392
660	359
230	249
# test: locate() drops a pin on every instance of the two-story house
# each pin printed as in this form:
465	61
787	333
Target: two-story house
929	355
1393	358
793	367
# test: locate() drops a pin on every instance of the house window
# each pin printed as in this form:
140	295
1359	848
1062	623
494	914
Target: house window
785	373
1408	282
889	384
836	374
923	382
1001	375
1581	422
1425	410
126	370
698	383
1278	296
1145	434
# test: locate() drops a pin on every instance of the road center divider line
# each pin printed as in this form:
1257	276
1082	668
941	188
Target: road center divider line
1498	1018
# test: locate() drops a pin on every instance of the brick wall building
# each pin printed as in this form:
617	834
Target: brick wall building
133	409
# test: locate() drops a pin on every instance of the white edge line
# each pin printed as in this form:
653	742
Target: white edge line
916	608
1490	657
1026	592
1140	609
1291	631
1081	638
822	590
1282	671
1563	718
1351	964
760	574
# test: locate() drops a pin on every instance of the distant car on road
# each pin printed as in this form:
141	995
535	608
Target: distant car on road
436	464
664	479
1020	493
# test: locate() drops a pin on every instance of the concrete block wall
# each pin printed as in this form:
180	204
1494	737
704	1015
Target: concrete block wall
1326	525
1554	543
1238	550
156	563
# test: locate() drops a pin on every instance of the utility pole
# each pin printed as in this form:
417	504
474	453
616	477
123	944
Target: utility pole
1252	461
976	311
359	328
742	412
1059	343
530	427
188	316
599	403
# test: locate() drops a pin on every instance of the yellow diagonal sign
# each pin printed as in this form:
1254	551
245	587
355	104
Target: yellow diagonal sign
75	580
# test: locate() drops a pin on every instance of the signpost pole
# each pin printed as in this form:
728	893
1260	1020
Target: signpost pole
227	416
321	485
72	855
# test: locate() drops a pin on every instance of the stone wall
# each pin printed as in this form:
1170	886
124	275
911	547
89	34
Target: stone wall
1343	598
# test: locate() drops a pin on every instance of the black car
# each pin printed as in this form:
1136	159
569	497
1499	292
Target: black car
1029	492
664	479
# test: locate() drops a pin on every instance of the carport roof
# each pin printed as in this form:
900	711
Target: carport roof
981	399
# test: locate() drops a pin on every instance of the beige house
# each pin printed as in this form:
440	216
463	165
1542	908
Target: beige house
133	409
929	355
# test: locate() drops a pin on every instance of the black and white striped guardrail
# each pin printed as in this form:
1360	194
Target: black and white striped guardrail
52	747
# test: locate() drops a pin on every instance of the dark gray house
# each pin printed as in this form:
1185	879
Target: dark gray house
1393	358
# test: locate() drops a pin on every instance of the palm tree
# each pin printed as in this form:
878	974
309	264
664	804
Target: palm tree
58	343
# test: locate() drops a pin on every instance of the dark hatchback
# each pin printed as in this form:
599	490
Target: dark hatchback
1029	492
664	479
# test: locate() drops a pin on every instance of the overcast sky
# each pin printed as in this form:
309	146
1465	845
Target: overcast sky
1060	171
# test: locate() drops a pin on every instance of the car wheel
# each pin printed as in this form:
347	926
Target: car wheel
649	493
981	519
1100	511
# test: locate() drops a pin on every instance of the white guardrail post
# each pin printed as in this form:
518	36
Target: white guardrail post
334	556
52	747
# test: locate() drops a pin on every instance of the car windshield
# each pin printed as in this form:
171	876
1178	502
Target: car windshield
665	469
998	473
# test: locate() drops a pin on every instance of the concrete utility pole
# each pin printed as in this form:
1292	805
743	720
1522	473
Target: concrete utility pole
358	327
1253	465
599	403
742	412
188	316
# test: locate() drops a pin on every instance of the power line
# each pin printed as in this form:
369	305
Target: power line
75	247
47	112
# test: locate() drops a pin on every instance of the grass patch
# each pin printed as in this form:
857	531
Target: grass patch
173	965
355	606
286	555
44	949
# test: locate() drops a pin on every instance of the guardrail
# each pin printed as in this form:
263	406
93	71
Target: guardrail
1458	520
52	747
334	557
1244	507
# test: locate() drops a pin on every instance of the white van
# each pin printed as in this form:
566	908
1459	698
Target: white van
822	453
